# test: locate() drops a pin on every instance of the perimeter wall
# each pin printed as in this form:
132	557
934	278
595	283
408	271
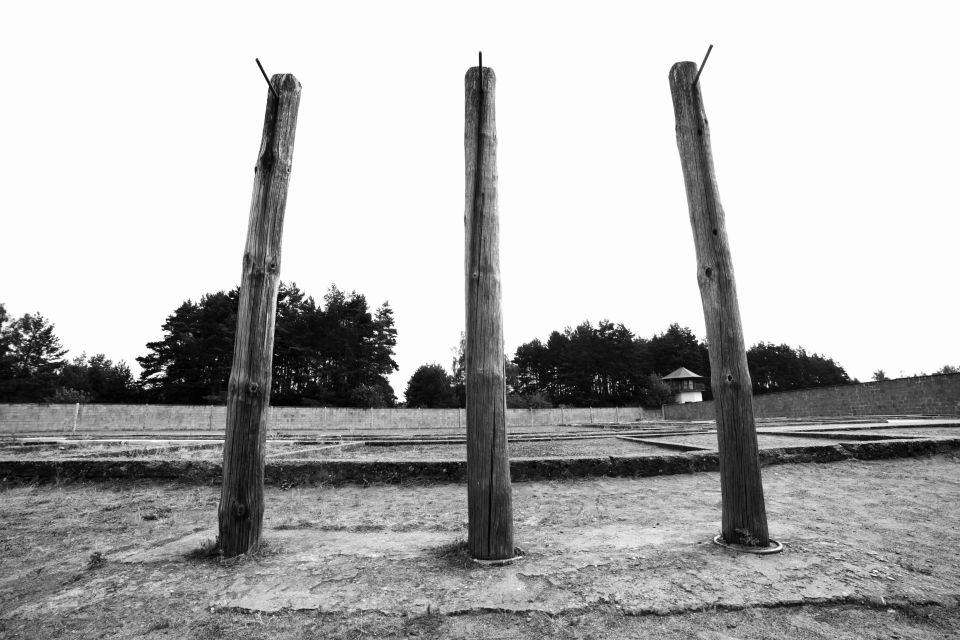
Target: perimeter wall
147	419
926	395
922	395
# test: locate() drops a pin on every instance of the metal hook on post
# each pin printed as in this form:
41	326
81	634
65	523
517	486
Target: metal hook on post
700	70
265	77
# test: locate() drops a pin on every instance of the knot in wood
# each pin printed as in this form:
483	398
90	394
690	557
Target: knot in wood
272	266
253	389
239	509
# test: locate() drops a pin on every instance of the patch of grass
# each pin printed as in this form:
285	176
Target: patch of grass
159	625
206	551
747	539
289	524
208	630
210	550
96	561
158	513
426	624
265	550
353	528
455	554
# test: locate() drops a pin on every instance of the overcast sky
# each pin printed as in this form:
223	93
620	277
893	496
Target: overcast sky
131	133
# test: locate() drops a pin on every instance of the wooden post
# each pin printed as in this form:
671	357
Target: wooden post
744	514
248	396
489	497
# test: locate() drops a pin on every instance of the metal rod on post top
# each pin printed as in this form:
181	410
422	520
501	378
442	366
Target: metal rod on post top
267	78
700	70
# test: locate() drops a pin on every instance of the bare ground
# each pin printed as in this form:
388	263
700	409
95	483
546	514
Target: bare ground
872	550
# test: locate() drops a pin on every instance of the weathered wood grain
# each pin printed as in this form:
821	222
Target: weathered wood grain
248	395
744	519
489	498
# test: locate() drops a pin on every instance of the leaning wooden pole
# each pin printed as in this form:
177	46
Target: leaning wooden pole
744	519
248	396
489	498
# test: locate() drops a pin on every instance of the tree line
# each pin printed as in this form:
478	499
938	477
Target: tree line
333	354
33	367
606	365
338	353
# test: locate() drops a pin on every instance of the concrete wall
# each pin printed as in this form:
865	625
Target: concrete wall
90	418
925	395
688	396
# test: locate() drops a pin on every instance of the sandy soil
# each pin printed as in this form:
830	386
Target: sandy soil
872	551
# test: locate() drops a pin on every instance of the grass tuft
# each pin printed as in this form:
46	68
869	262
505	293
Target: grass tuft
158	513
208	550
455	554
289	524
96	561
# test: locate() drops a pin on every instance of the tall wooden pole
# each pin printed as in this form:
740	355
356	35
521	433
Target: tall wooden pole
489	497
744	514
248	396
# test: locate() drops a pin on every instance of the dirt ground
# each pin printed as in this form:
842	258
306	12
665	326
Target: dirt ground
872	550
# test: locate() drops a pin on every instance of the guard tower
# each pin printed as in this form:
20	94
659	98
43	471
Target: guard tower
686	385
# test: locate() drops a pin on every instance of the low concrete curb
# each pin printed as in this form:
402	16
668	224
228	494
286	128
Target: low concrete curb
309	472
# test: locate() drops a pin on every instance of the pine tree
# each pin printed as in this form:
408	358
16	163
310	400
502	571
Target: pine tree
32	357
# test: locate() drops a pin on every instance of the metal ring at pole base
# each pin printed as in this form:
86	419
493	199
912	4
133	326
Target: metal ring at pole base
496	563
773	547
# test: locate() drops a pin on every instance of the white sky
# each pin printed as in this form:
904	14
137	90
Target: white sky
131	132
